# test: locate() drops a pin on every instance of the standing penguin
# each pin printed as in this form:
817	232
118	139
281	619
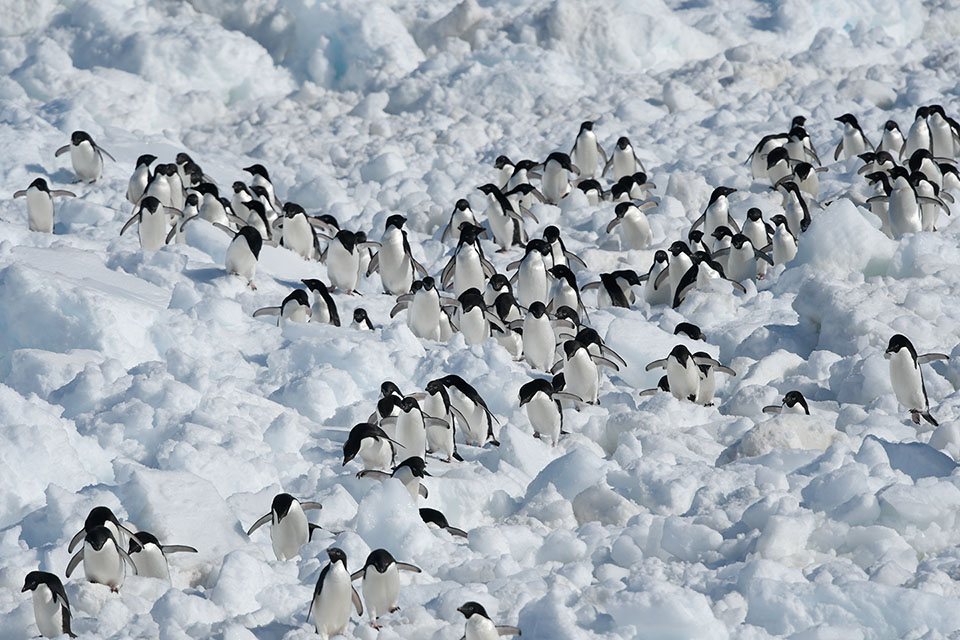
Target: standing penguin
152	217
587	152
504	221
395	261
324	309
633	224
343	259
558	251
50	605
473	319
907	378
477	419
544	411
298	234
140	178
717	213
892	139
539	338
262	179
683	372
410	427
85	155
555	183
103	559
467	267
784	243
441	434
654	290
480	626
565	289
333	596
580	371
290	529
243	252
504	167
624	161
423	309
919	135
101	516
461	213
742	258
372	444
854	140
151	557
531	276
381	583
40	204
708	381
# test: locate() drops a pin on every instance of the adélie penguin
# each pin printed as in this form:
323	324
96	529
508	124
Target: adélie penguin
586	152
101	516
50	605
323	309
461	213
477	420
151	556
539	338
361	320
479	625
375	448
623	160
438	520
381	583
793	402
152	217
103	559
333	597
40	204
294	308
854	140
243	252
580	371
541	398
467	267
394	260
555	182
85	155
410	472
140	178
289	528
907	378
633	224
297	231
440	434
683	372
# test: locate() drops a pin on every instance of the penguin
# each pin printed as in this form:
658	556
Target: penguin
381	583
683	371
504	221
189	212
521	198
103	559
480	626
297	232
101	516
262	196
473	319
758	157
438	520
497	284
85	155
423	309
476	419
333	596
294	308
565	289
717	212
519	190
50	605
186	166
539	338
907	378
854	140
152	218
588	337
903	203
654	293
558	251
892	140
343	259
593	190
760	234
742	258
151	557
779	165
586	152
784	243
805	176
410	472
140	178
623	160
580	371
361	320
174	184
922	161
641	187
441	433
928	195
544	411
461	213
555	183
919	135
799	146
633	223
943	135
211	207
409	427
701	272
40	204
873	162
708	381
467	267
260	178
324	309
504	167
241	196
662	385
793	402
243	252
721	240
375	448
614	289
690	330
531	275
387	407
290	529
395	261
159	187
673	271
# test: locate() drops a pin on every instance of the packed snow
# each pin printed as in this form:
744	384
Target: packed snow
140	380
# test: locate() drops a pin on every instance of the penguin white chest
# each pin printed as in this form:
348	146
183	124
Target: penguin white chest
240	260
381	590
532	281
87	162
150	562
411	434
581	376
539	342
331	608
47	612
290	533
39	210
396	270
342	266
104	566
480	628
376	453
624	163
298	236
544	416
473	325
585	154
152	229
423	316
784	246
684	380
636	230
468	272
907	381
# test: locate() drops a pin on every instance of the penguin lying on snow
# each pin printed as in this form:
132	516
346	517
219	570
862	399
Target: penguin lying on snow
372	444
50	605
294	308
683	371
434	517
793	402
290	529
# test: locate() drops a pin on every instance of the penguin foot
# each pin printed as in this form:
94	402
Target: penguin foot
374	625
503	250
251	285
536	434
709	404
394	609
115	589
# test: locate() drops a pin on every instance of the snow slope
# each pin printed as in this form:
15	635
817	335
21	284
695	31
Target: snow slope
141	382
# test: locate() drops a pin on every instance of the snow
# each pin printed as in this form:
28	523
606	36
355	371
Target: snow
139	380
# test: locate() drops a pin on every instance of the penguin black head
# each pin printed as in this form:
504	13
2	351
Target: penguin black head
34	579
586	126
469	233
537	309
891	125
473	608
281	505
738	240
195	175
98	536
80	136
623	142
565	312
563	272
337	555
754	214
146	538
253	238
396	220
679	247
500	282
524	165
681	354
98	516
721	232
416	465
561	158
258	170
794	398
387	404
379	559
150	203
558	382
182	158
240	187
588	336
347	238
798	133
299	296
721	191
432	516
922	112
690	330
570	347
145	160
660	256
389	388
504	303
531	388
798	121
936	108
899	172
780	219
40	184
621	209
551	233
499	163
471	299
664	384
777	155
429	283
803	170
538	245
640	177
291	209
207	187
462	205
360	316
314	285
898	342
590	185
408	404
489	189
850	119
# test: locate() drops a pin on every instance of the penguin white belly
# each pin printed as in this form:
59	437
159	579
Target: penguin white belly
480	628
376	453
795	409
684	381
39	211
555	182
87	162
906	381
152	229
636	230
512	342
719	245
342	267
741	264
539	342
47	612
440	439
159	188
381	590
240	260
758	163
656	295
793	212
586	156
396	269
544	417
501	225
423	315
904	212
293	311
177	195
468	272
290	533
298	236
532	281
104	566
784	247
680	265
917	138
624	163
331	608
941	138
475	430
212	211
411	434
410	481
565	295
581	376
777	171
707	387
473	325
852	143
138	184
810	185
150	562
717	215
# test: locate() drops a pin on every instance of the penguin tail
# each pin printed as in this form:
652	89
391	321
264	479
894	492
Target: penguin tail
457	457
929	418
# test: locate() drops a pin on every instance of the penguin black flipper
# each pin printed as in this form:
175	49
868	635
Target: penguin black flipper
356	601
75	540
931	357
177	548
128	223
836	154
687	282
663	275
259	523
504	630
312	527
129	560
62	150
104	152
74	561
403	566
699	221
773	408
60	192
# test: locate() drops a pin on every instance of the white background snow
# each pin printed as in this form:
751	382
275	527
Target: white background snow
140	380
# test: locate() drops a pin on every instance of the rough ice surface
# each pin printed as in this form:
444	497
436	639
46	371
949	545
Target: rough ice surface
140	381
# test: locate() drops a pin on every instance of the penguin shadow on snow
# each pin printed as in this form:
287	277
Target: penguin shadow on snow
60	176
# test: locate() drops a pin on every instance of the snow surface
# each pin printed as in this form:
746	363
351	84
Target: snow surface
140	381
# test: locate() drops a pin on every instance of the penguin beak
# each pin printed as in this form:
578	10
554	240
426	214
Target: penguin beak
26	589
887	355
